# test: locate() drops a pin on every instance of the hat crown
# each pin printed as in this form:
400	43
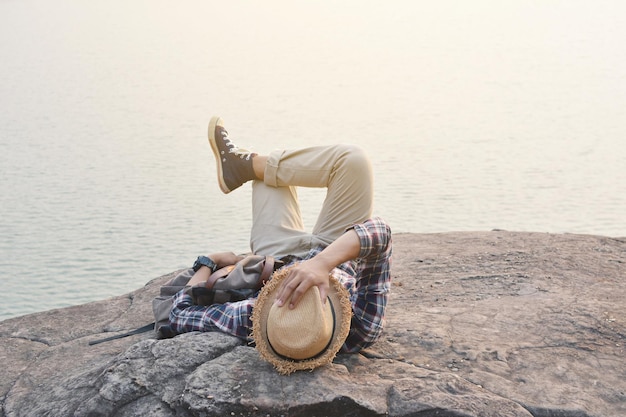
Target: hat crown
278	352
304	331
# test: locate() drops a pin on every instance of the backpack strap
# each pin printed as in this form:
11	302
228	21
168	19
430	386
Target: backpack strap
143	329
220	273
268	270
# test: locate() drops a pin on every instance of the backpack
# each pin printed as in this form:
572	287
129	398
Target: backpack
229	284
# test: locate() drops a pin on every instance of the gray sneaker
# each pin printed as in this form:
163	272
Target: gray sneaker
234	165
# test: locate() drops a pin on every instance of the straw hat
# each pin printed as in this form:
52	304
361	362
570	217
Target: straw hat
308	336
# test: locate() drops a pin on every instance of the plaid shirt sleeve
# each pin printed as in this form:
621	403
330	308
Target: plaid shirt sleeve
232	318
373	279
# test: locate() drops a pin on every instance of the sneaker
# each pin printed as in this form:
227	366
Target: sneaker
234	165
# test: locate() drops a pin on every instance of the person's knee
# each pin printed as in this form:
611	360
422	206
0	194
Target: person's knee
355	157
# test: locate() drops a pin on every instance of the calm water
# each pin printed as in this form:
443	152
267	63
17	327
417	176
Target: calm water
477	115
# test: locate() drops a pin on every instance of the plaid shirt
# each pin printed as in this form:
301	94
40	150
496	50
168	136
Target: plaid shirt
367	279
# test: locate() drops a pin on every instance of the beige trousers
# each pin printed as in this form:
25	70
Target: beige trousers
277	227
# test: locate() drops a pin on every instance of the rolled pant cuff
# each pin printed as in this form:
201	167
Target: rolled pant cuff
271	168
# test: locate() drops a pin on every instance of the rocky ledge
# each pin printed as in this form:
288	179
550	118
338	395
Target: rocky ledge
479	324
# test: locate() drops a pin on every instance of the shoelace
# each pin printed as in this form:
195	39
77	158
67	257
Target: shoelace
234	149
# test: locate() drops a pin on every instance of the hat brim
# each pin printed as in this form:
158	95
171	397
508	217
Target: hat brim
340	300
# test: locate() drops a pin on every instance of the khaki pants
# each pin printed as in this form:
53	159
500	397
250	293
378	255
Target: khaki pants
277	227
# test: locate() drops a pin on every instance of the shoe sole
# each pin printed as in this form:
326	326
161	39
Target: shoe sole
217	121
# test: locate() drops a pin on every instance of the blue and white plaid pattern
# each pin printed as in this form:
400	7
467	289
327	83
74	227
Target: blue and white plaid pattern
367	279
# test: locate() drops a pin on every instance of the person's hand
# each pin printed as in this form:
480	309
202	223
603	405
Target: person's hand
301	277
316	271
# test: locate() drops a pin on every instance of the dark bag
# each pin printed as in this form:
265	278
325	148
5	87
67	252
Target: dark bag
232	283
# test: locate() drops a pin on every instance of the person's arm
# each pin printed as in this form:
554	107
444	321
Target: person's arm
221	259
316	271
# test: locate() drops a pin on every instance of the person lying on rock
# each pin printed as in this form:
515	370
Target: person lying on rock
334	286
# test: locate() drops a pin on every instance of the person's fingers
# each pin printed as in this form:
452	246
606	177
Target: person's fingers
297	293
286	288
297	282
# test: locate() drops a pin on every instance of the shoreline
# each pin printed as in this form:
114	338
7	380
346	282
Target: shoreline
96	300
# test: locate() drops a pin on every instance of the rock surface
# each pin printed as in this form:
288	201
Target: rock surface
479	324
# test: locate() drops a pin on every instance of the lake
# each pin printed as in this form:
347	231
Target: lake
477	115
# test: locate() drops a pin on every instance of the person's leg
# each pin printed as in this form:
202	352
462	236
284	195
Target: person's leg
277	225
344	170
